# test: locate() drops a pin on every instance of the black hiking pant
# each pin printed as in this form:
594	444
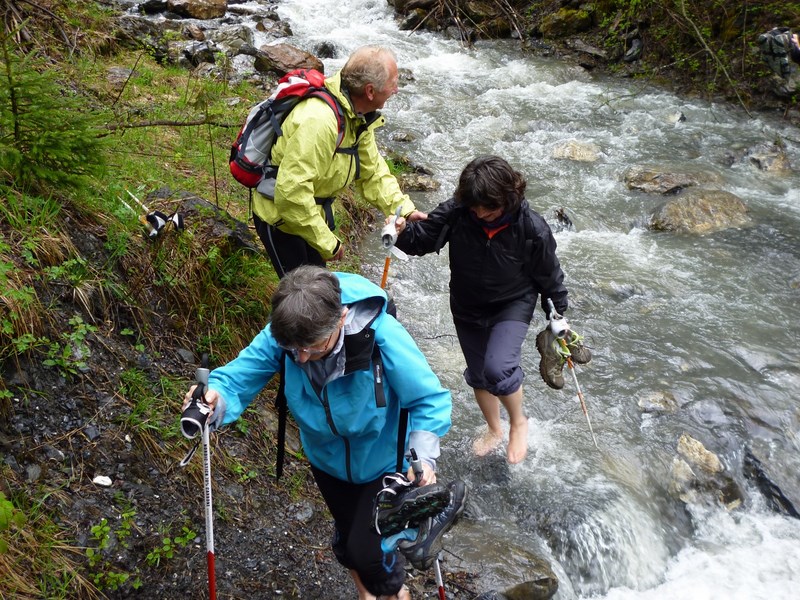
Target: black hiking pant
286	251
354	545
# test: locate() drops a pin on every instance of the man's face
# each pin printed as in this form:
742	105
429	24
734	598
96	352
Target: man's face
381	96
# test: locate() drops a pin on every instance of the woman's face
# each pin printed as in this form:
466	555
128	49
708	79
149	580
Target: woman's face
487	214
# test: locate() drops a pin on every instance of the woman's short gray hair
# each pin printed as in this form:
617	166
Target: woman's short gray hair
368	64
306	307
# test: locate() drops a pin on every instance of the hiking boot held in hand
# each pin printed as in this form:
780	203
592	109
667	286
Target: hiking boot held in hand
552	362
580	354
401	504
422	551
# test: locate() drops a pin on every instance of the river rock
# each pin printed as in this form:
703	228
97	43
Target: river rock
700	211
282	58
199	9
417	182
233	36
696	453
704	481
655	180
540	589
577	151
658	402
769	157
779	486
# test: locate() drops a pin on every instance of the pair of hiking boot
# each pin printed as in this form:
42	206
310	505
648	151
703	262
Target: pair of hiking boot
555	354
415	519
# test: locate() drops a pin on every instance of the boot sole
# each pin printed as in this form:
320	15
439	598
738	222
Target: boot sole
459	497
413	510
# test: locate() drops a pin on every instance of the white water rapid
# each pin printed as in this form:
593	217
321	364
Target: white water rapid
710	321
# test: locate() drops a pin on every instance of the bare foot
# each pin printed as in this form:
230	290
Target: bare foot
487	442
518	442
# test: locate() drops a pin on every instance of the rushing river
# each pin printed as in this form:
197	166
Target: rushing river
711	321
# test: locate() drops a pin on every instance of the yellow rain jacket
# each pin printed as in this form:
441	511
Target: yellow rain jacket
309	169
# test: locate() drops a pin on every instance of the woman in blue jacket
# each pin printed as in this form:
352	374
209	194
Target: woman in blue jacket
331	330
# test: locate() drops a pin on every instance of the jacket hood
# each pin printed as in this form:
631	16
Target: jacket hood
357	289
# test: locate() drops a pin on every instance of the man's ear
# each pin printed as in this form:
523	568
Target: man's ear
369	92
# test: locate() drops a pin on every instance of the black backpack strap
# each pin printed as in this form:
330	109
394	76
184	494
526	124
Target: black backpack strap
402	427
280	401
327	207
377	368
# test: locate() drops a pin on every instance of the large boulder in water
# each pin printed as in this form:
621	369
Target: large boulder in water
658	180
282	58
700	211
698	477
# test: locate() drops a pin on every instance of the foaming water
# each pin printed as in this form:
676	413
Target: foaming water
706	323
751	556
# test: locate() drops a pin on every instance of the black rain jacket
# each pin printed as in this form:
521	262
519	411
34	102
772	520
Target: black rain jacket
490	279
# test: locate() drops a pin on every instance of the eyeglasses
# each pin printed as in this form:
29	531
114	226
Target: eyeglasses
312	351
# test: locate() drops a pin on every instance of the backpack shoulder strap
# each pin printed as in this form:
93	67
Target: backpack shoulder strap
281	404
380	402
336	107
401	438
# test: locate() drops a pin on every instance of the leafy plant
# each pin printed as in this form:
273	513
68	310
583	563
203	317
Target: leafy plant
169	545
9	517
70	357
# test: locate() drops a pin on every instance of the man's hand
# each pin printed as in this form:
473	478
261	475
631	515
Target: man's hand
339	255
417	216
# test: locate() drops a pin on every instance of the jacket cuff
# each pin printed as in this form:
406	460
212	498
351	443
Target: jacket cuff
426	445
219	414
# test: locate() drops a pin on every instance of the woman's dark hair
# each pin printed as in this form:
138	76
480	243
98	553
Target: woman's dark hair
306	307
490	182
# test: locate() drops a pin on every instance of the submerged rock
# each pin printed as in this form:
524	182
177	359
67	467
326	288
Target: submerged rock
700	211
782	492
542	588
705	480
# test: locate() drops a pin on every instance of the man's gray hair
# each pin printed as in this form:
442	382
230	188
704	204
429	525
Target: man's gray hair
368	64
306	307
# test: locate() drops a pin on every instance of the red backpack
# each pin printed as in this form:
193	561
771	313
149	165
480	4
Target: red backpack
250	153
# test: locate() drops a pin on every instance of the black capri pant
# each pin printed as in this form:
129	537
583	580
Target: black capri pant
354	545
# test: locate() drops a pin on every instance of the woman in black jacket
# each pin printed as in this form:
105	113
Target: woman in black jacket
502	255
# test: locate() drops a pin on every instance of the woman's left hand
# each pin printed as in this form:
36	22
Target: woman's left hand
428	475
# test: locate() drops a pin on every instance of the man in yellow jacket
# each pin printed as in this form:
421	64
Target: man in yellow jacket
295	220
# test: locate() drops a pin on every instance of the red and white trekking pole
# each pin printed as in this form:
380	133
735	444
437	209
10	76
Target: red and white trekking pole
194	420
560	329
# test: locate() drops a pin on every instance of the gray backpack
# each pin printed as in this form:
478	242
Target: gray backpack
775	47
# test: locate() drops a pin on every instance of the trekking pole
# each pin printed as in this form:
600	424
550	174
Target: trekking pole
416	466
560	329
194	420
388	238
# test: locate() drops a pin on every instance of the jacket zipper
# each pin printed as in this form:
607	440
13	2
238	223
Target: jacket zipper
329	417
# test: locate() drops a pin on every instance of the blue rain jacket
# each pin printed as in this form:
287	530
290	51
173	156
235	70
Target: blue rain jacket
343	430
